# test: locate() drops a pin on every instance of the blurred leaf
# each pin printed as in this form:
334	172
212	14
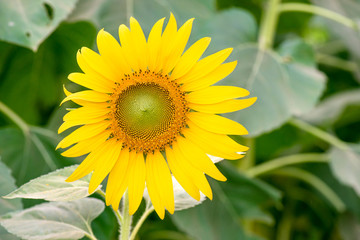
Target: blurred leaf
238	198
54	220
110	14
230	28
7	184
36	90
296	50
28	23
349	227
52	187
333	107
29	157
345	164
284	87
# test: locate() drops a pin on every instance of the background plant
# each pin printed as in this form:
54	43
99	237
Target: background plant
301	179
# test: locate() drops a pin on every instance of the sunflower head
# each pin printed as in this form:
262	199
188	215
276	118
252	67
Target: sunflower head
150	113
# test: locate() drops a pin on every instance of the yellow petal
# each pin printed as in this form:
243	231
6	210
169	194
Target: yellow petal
216	94
138	43
117	182
197	176
89	163
77	122
217	124
91	82
87	145
213	77
180	175
198	158
126	41
180	42
88	95
167	42
112	53
164	181
205	66
83	133
95	65
190	57
137	172
154	42
223	107
105	163
87	112
152	187
218	142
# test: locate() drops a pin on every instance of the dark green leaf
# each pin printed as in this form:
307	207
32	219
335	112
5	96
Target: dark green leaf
237	199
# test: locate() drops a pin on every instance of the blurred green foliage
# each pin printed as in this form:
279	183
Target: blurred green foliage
311	73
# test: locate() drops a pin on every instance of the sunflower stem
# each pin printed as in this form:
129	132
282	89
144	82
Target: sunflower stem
125	228
309	8
316	182
319	133
140	222
274	164
268	24
15	118
117	213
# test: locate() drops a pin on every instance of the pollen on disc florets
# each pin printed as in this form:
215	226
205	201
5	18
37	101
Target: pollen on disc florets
148	111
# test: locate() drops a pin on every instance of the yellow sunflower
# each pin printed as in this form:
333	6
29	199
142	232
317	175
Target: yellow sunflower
150	113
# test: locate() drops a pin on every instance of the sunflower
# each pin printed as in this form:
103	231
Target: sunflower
150	112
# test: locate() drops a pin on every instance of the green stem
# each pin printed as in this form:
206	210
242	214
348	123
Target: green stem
140	222
92	237
15	118
336	62
303	7
316	182
319	133
274	164
118	216
268	25
126	224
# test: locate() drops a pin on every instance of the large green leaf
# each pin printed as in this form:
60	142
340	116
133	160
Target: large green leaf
31	156
36	90
345	164
52	187
7	184
54	220
285	86
110	14
28	23
237	199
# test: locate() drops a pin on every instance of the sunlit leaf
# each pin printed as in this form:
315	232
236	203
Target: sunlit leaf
52	187
345	165
28	23
7	184
54	220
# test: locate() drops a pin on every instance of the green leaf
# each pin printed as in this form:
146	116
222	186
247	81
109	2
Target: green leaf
349	227
52	187
36	90
333	107
54	220
30	156
28	23
220	218
345	164
110	14
283	88
7	184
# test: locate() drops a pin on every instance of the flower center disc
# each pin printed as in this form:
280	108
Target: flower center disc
150	111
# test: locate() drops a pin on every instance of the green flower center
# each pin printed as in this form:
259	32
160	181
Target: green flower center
143	110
